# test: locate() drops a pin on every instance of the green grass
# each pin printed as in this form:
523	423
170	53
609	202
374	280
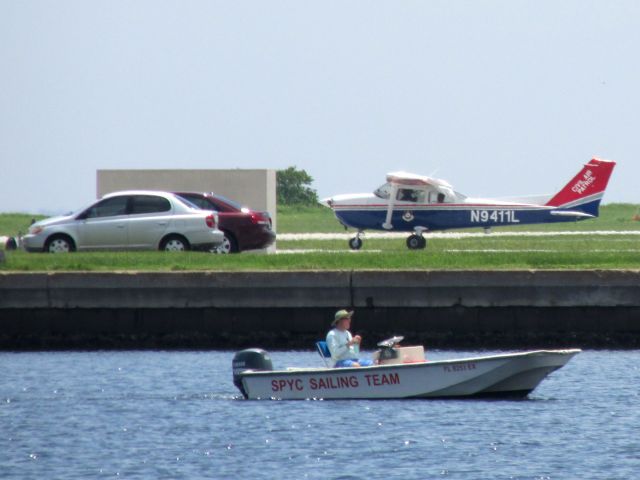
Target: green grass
307	219
11	224
484	252
432	258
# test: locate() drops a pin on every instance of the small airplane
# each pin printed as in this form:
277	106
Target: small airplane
414	203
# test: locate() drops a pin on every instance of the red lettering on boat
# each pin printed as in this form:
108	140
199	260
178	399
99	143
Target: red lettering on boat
383	379
290	384
333	382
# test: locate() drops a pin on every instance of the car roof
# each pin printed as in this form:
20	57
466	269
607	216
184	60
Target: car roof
160	193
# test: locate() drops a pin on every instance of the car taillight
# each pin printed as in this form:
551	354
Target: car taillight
210	221
257	218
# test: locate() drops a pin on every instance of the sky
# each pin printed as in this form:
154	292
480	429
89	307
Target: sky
498	97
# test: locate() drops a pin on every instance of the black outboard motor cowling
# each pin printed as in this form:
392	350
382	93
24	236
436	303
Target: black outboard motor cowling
254	359
388	353
387	348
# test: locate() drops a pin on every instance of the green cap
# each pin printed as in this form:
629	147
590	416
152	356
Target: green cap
340	314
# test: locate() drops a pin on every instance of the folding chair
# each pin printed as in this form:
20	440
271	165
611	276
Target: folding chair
323	351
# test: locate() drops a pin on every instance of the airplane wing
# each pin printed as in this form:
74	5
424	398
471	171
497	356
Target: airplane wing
406	178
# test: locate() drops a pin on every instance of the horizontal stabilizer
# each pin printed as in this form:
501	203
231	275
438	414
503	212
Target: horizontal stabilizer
571	213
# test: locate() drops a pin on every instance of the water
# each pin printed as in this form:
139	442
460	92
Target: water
176	415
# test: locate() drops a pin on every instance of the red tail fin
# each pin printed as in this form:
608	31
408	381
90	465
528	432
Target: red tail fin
587	184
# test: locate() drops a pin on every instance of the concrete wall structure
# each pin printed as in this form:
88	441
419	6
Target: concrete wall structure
254	188
291	309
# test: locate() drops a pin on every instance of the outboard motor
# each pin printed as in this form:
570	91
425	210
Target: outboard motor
254	359
387	348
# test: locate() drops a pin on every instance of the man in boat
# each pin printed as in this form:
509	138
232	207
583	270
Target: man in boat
343	346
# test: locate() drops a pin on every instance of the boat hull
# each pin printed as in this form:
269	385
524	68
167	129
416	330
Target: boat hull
506	375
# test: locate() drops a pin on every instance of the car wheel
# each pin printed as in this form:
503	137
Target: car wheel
59	244
228	245
174	243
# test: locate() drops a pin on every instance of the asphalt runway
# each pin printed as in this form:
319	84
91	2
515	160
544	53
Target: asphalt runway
455	250
453	235
450	235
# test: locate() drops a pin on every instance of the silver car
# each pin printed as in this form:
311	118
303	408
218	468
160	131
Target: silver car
132	220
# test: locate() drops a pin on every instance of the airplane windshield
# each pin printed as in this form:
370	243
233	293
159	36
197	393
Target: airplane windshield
384	191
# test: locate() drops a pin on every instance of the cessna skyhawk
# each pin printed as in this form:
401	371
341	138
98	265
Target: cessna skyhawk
415	203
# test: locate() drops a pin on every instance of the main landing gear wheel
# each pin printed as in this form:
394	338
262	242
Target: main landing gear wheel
416	242
355	243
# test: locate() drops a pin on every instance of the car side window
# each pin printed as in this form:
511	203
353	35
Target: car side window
149	204
109	207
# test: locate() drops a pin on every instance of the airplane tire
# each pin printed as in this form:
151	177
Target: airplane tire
355	243
416	242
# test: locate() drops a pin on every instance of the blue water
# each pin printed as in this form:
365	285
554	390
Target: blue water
177	415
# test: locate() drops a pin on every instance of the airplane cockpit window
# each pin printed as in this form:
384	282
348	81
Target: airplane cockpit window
410	195
384	191
438	197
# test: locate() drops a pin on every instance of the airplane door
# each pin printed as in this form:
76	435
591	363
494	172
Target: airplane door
104	225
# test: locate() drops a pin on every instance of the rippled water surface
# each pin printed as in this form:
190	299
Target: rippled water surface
176	415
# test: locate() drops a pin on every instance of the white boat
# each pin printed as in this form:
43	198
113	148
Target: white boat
400	375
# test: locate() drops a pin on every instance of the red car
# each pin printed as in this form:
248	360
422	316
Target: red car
243	228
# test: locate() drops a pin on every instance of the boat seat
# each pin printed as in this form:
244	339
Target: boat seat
323	351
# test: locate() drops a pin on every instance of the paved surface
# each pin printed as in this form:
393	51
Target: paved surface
383	235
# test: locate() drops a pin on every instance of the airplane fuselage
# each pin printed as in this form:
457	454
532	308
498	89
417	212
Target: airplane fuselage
369	213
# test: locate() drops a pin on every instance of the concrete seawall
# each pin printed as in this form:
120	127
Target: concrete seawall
477	309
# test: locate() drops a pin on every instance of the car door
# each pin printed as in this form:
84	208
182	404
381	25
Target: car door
150	216
104	224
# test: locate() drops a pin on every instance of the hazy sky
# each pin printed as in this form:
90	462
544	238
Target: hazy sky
497	97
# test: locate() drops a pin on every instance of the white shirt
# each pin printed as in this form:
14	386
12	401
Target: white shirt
337	342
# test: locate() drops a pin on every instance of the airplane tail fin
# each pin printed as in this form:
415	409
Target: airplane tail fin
584	192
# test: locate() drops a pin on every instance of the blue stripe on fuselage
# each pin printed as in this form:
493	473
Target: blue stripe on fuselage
446	218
